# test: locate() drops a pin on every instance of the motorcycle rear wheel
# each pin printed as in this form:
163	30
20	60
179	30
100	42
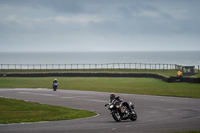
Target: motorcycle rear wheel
116	116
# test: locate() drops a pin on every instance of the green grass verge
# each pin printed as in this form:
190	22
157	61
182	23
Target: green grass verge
164	72
143	86
18	111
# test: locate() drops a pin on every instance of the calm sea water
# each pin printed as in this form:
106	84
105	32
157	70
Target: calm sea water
191	58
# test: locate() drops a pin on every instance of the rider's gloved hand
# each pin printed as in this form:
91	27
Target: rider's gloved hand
106	105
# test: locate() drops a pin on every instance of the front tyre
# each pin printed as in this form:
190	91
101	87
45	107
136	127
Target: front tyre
116	115
133	116
54	88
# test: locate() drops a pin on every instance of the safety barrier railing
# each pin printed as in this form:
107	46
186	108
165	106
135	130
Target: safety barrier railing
92	66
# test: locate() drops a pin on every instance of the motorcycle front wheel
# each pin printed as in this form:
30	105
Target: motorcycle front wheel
116	116
133	116
54	88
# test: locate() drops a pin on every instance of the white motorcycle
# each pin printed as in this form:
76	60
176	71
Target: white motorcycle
55	86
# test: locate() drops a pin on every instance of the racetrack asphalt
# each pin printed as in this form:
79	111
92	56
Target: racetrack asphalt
156	114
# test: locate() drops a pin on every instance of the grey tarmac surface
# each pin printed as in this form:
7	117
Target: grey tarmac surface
156	114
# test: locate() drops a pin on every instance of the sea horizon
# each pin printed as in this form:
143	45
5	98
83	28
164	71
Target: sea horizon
189	58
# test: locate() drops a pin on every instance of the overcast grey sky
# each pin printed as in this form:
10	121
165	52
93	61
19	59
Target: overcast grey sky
99	25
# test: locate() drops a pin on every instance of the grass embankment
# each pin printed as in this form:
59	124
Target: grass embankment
143	86
18	111
164	72
161	72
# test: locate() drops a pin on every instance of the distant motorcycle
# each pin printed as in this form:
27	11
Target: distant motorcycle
55	86
122	111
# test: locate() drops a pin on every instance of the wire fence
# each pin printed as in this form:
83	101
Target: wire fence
91	66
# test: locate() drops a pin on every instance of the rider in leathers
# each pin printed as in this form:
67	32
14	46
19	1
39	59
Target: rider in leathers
117	100
55	81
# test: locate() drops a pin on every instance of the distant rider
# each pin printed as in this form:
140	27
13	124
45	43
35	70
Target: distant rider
55	81
55	84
